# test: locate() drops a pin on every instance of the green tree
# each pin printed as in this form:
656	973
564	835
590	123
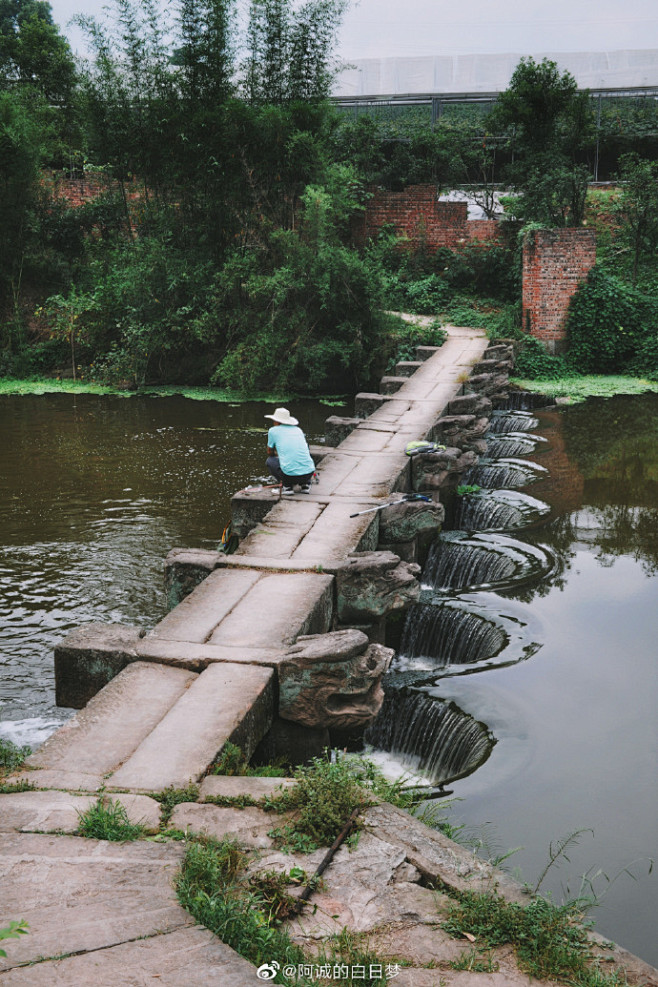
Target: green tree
548	122
20	159
289	50
638	208
33	52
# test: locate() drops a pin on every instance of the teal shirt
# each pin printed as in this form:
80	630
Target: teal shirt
292	449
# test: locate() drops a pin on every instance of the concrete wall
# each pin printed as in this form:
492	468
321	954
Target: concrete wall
554	264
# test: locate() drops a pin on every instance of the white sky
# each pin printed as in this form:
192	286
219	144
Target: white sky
389	28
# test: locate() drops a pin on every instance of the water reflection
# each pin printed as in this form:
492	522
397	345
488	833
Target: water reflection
575	726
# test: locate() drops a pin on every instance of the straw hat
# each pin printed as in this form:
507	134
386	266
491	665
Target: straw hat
282	417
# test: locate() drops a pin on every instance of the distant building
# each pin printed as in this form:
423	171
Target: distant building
490	74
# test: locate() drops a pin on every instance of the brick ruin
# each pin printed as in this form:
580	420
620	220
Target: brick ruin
554	261
554	264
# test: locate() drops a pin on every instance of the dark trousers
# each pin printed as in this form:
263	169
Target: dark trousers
274	467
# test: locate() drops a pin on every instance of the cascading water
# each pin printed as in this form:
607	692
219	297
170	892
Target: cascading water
512	444
451	637
456	637
525	400
497	510
503	422
429	736
447	635
506	473
460	562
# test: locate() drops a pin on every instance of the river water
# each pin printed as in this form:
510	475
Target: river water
94	492
574	716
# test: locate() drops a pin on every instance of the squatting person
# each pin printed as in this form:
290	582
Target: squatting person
288	457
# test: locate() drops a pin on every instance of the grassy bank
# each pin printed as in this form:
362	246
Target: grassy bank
224	395
577	388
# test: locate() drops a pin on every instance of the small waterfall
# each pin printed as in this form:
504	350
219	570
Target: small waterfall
512	444
507	473
526	400
447	635
459	562
430	736
497	510
504	421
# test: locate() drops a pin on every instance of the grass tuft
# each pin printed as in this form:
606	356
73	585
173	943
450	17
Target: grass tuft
108	820
11	756
550	941
170	797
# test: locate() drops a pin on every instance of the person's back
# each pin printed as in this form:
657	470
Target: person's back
289	459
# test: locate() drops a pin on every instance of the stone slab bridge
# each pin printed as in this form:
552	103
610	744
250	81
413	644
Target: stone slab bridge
274	646
281	641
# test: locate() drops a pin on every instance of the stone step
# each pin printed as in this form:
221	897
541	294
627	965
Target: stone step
225	703
109	910
46	812
192	957
196	617
336	533
286	525
115	722
279	607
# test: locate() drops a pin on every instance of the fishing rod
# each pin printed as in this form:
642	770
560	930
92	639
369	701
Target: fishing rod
392	503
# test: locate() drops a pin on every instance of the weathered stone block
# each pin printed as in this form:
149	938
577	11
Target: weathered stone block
406	368
425	352
333	680
500	351
89	657
185	568
337	429
370	585
365	404
463	431
489	383
440	470
389	385
470	404
249	507
492	366
404	522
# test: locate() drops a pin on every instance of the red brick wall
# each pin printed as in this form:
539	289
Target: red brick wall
417	213
554	264
77	191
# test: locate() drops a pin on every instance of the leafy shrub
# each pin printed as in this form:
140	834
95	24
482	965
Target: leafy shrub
427	296
300	313
534	363
645	361
606	324
484	269
322	800
406	336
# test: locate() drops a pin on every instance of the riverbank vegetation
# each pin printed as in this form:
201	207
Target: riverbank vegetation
219	247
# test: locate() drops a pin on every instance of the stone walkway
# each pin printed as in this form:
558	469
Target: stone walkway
156	709
207	672
106	913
